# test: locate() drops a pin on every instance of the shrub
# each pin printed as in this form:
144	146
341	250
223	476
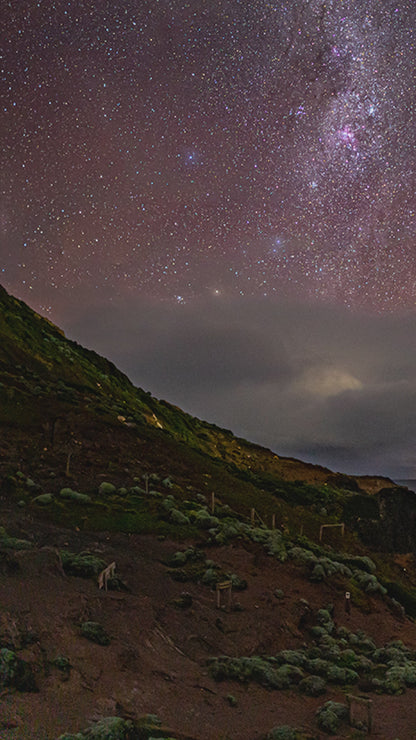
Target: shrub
317	666
62	663
348	658
331	715
337	674
238	584
14	543
325	620
290	674
109	728
83	564
184	556
369	583
136	490
255	669
318	573
210	577
204	520
32	485
15	672
362	641
306	557
69	494
177	517
43	499
313	686
329	648
106	488
284	732
292	657
95	632
275	545
393	652
168	503
358	562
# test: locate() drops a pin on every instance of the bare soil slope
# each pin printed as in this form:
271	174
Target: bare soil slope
156	661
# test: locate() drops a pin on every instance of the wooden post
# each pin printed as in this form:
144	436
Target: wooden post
326	526
105	574
273	521
254	515
212	502
357	702
224	586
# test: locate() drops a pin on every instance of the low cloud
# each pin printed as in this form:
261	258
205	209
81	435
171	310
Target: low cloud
323	384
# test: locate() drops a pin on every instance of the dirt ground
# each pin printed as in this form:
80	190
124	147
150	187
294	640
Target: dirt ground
157	659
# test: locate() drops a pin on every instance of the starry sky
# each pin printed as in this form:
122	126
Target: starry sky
232	171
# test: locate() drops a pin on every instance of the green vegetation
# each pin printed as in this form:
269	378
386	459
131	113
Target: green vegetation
83	564
109	728
13	543
331	715
15	672
95	632
338	657
284	732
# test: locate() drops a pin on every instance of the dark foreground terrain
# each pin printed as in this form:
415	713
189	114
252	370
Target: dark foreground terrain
225	613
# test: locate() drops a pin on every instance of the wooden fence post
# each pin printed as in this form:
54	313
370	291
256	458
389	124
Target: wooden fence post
224	586
354	703
326	526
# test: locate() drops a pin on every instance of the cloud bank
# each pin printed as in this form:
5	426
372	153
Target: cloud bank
310	381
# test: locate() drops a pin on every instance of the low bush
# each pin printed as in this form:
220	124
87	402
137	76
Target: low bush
284	732
43	499
255	669
109	728
204	520
191	554
95	632
313	686
13	543
70	495
331	715
15	672
83	564
177	517
106	489
292	657
369	583
339	675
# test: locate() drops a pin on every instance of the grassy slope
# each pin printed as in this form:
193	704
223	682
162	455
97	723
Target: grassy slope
45	375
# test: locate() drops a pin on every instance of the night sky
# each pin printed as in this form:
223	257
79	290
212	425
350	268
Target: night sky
221	197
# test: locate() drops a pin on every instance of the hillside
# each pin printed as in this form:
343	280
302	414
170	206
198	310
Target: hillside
94	471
